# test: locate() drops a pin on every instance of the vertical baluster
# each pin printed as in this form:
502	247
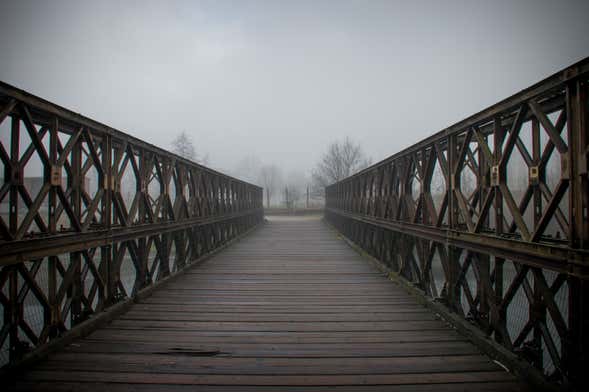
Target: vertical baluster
15	175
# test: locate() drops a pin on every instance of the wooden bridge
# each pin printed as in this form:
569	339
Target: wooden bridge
460	263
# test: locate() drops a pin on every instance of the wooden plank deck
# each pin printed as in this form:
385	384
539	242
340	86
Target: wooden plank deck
291	307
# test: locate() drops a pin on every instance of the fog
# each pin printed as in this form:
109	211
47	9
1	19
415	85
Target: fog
277	81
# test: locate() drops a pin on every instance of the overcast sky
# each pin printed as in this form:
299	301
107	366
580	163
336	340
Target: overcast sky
283	79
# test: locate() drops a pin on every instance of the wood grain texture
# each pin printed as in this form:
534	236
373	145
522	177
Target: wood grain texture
292	307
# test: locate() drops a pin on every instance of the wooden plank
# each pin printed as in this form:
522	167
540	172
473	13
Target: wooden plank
69	386
271	301
290	350
278	326
199	337
291	309
232	290
296	380
280	317
218	365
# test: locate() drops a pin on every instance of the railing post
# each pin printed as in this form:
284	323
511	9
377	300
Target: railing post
452	208
165	255
498	138
576	349
578	134
55	312
536	308
12	313
498	320
575	355
76	180
142	255
52	195
108	275
53	318
75	292
482	261
107	181
453	283
15	175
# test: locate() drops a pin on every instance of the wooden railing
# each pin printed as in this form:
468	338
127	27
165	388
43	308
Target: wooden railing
490	217
91	216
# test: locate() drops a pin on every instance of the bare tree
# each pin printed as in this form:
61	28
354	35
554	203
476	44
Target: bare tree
295	186
341	160
292	194
269	179
206	160
183	145
248	169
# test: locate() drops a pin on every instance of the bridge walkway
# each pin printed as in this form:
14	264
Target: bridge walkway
291	307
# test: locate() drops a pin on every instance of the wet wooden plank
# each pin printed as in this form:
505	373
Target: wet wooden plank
219	365
292	307
248	337
272	326
71	386
253	380
275	316
285	350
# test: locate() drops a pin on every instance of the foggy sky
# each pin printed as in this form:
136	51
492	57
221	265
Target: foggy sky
281	80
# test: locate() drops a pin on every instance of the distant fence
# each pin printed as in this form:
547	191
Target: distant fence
109	216
489	216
